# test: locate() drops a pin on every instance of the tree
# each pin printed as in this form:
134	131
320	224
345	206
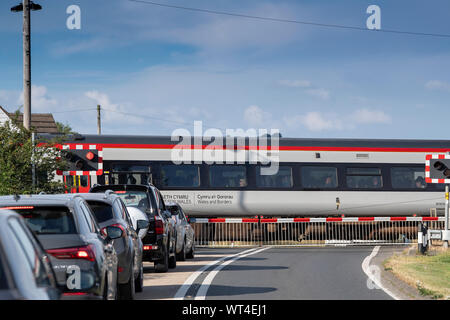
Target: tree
18	153
64	128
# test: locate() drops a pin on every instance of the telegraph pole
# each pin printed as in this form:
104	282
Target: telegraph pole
26	6
26	66
99	120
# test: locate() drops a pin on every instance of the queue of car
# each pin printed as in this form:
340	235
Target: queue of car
88	245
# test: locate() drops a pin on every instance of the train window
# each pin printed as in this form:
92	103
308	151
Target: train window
173	175
84	181
364	178
408	178
130	168
319	177
129	178
282	179
228	176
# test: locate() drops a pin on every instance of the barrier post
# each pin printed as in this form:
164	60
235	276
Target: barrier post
446	222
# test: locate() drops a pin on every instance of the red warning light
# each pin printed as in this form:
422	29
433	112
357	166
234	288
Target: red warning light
89	156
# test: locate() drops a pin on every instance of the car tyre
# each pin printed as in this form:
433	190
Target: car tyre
181	256
173	259
190	254
163	264
127	290
139	282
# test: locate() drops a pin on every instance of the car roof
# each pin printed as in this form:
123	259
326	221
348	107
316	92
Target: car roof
38	199
5	214
137	187
102	197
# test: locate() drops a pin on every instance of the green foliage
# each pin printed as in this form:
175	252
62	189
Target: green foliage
17	154
64	128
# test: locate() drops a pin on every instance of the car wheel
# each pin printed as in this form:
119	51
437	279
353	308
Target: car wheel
190	254
139	282
173	261
127	290
163	264
182	255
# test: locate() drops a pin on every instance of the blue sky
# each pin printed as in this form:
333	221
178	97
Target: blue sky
230	72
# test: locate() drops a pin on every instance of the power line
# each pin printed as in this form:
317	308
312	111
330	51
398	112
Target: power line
74	110
215	12
156	118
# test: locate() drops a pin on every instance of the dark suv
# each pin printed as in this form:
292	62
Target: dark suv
67	230
160	241
109	210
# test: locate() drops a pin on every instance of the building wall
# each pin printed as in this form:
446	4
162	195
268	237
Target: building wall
3	117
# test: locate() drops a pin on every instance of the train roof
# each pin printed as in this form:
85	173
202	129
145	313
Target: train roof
306	142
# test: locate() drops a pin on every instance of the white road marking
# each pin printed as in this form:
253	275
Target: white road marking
187	284
201	293
366	268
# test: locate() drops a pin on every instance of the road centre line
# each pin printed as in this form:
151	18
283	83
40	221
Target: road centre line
179	295
201	293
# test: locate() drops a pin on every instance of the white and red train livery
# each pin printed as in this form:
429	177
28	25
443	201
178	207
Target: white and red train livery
316	177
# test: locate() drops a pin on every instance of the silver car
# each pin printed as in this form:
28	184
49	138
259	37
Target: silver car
185	246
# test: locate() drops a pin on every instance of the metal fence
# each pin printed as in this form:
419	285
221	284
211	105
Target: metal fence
230	232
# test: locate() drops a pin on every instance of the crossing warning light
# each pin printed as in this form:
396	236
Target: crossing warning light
437	168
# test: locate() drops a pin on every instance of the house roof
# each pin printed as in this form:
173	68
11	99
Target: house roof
41	122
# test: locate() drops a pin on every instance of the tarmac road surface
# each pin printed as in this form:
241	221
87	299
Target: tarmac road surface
269	273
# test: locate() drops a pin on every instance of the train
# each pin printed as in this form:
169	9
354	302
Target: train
312	177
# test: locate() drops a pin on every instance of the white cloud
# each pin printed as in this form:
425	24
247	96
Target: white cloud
308	87
436	84
319	93
295	83
370	116
256	117
40	100
315	121
318	121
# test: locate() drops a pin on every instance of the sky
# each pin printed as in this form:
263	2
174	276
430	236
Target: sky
155	69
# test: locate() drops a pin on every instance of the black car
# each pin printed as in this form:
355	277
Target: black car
25	269
84	260
109	210
160	241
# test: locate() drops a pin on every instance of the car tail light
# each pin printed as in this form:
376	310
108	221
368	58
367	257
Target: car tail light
86	253
124	232
17	208
159	226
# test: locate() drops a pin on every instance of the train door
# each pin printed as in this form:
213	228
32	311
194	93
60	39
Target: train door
77	184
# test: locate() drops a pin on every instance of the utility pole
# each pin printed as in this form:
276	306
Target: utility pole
26	6
99	120
26	66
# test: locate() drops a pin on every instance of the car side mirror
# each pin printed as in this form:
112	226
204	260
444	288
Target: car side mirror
113	232
141	224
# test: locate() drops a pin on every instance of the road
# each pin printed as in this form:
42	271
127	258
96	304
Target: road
270	273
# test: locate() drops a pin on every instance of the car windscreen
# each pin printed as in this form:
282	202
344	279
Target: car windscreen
102	211
137	199
48	220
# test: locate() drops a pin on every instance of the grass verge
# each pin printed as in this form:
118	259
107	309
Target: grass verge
429	274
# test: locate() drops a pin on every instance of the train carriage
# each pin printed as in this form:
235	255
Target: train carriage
315	177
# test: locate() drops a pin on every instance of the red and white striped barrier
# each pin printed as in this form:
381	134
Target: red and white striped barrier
290	220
